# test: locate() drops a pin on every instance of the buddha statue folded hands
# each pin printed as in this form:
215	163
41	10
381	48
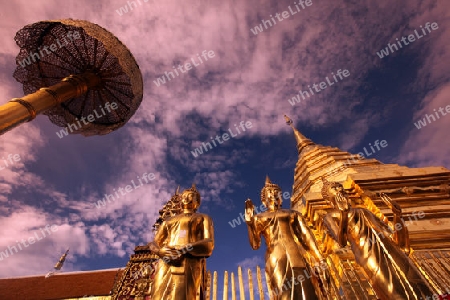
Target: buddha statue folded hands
183	242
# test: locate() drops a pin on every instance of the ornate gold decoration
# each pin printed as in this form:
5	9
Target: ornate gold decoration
170	209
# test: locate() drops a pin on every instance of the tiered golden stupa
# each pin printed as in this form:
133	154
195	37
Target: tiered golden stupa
413	202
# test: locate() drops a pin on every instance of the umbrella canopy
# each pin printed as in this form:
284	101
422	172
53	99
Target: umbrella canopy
53	50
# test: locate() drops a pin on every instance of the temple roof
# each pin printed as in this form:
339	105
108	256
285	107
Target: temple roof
59	286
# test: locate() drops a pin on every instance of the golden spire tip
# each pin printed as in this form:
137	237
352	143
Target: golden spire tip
288	120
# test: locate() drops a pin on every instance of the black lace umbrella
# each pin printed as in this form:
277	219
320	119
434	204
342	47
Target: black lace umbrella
94	83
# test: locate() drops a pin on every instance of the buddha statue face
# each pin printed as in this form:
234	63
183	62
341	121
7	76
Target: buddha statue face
190	199
333	192
272	198
336	188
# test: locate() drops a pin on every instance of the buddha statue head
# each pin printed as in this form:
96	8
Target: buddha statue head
190	198
335	195
271	195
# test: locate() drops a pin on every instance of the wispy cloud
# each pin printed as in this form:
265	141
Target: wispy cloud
250	78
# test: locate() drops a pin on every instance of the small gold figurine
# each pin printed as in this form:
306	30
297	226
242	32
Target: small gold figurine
183	242
288	238
391	273
143	285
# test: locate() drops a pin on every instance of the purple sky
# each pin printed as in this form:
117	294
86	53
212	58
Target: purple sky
250	78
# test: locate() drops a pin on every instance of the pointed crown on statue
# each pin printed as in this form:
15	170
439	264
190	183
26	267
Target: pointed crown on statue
268	185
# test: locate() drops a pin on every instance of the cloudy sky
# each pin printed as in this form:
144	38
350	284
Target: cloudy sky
251	77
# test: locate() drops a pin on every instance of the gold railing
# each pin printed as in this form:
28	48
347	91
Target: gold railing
246	287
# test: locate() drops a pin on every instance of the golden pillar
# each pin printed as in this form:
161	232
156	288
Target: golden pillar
225	285
260	285
233	287
250	285
208	286
215	286
241	284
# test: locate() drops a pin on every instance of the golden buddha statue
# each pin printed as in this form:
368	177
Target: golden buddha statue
183	242
374	244
288	240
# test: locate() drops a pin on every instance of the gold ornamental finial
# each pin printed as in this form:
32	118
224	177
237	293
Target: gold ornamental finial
269	184
302	141
288	120
61	261
58	265
194	189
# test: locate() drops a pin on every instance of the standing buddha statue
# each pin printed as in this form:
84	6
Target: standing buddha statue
183	242
288	240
